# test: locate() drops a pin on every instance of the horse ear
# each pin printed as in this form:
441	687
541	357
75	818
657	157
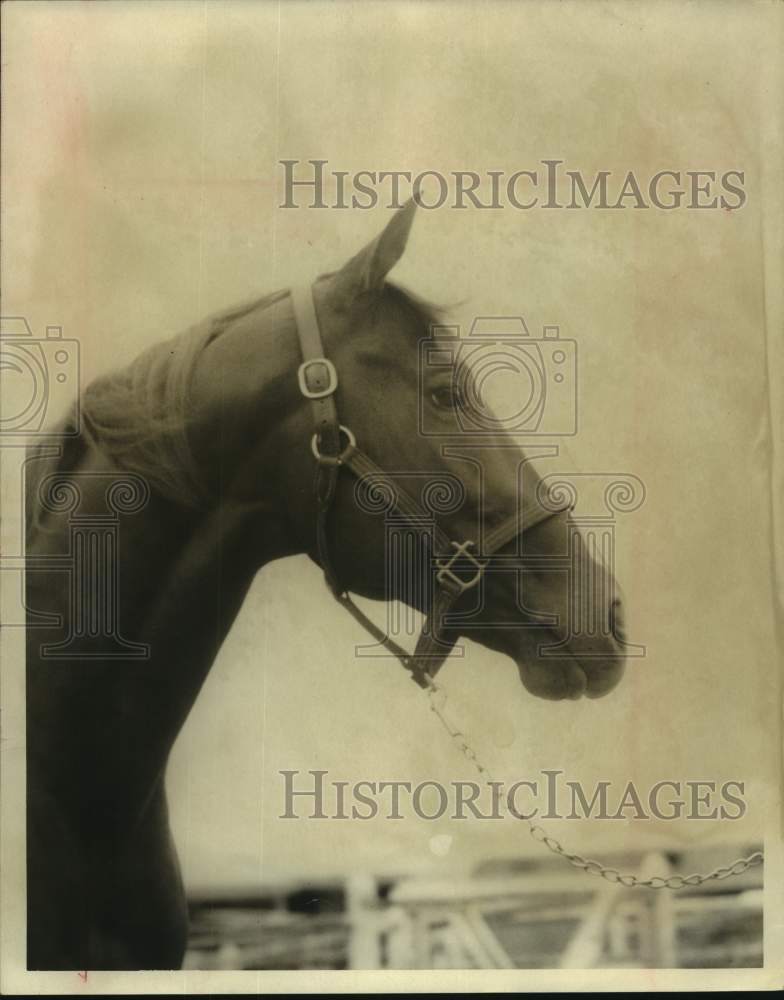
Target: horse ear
367	270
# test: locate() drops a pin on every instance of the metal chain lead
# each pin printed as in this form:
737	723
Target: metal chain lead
577	860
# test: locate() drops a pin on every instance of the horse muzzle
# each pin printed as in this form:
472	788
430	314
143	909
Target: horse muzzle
579	665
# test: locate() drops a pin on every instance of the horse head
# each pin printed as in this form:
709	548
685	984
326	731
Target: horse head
400	412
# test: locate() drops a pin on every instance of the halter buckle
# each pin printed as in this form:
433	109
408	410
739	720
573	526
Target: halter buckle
449	580
317	378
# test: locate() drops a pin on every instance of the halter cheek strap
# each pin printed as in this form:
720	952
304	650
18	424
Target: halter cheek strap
457	567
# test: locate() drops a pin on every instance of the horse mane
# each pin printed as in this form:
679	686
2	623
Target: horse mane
138	416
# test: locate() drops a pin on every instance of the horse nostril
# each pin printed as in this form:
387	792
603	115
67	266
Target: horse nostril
617	620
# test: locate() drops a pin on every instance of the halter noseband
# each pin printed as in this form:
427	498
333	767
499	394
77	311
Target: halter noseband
334	447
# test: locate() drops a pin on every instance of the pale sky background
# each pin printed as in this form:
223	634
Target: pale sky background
141	193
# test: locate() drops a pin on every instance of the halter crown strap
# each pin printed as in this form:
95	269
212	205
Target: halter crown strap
317	377
333	447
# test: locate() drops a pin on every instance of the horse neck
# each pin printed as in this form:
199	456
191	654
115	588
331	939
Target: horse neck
238	437
249	428
207	578
206	408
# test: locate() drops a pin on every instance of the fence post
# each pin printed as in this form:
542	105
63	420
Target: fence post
661	950
363	913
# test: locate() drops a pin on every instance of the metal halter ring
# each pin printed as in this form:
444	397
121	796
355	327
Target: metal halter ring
334	459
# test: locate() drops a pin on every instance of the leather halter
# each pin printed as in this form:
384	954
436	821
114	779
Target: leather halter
334	448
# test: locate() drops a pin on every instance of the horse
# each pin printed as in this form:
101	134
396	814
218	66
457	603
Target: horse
183	475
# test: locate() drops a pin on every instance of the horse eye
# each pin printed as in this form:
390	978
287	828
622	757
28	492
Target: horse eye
446	397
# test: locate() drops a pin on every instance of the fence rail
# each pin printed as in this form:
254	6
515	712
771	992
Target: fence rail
536	920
